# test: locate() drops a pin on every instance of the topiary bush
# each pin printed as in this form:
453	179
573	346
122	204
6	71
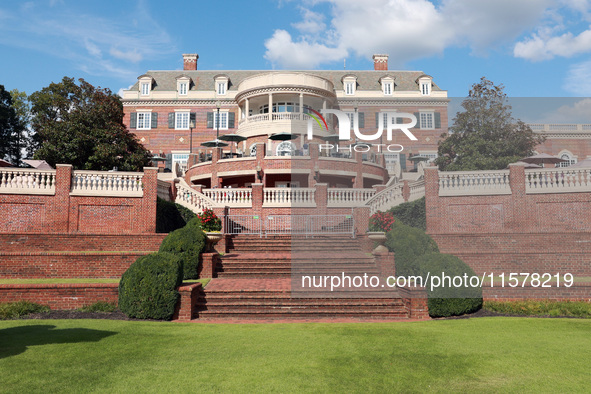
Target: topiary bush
148	289
168	217
449	300
186	243
408	243
411	213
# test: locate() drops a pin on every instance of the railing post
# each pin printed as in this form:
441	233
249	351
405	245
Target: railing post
405	190
147	220
517	184
257	199
432	198
321	197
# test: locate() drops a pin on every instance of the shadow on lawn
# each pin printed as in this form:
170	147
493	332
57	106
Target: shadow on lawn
16	340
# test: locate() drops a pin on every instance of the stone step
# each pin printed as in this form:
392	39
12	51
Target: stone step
303	314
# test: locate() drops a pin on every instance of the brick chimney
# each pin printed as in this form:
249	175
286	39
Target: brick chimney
380	62
190	61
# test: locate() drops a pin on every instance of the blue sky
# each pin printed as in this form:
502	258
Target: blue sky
536	48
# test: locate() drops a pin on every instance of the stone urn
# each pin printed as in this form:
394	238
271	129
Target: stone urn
380	238
212	239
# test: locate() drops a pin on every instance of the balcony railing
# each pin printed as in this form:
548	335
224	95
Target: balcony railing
110	184
231	197
288	197
559	180
27	181
459	183
341	197
192	199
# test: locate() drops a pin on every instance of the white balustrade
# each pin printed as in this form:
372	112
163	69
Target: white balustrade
341	197
164	190
286	116
386	199
474	183
417	190
192	199
288	197
230	197
27	181
558	180
109	184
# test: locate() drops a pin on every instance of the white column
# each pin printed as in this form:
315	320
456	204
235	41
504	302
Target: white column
301	106
247	109
270	106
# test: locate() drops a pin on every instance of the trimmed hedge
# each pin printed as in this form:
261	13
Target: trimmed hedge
408	243
447	299
186	243
18	309
412	213
171	216
148	289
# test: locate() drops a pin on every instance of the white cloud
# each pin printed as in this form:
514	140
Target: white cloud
92	48
406	29
579	112
539	48
578	80
132	55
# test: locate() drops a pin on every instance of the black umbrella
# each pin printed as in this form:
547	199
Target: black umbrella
283	136
232	138
214	144
542	158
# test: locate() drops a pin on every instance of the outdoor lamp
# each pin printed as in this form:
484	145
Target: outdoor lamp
259	173
191	127
316	173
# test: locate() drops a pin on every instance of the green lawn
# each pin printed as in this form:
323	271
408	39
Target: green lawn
484	354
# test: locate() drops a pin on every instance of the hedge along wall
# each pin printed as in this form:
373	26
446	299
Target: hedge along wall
516	232
64	212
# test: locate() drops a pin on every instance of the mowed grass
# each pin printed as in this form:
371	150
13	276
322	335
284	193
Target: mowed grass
484	354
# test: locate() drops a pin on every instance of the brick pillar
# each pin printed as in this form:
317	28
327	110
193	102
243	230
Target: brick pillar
192	160
257	199
313	148
358	184
208	265
432	199
59	220
260	158
361	215
321	198
386	264
147	223
520	207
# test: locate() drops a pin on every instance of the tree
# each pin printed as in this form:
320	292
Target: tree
485	136
22	106
12	131
83	126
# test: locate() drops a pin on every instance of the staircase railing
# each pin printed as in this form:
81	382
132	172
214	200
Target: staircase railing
192	199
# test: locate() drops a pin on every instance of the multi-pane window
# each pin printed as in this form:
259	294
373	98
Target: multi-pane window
388	88
425	88
221	88
181	159
426	120
145	88
144	120
183	88
569	160
182	121
220	119
349	88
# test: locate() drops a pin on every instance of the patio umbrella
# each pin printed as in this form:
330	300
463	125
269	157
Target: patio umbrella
283	136
4	163
528	165
233	138
332	137
418	158
542	159
38	164
214	144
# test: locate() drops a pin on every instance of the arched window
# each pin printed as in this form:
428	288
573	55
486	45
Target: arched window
285	148
253	150
570	160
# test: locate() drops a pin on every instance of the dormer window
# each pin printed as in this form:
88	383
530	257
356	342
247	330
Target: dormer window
145	85
221	85
349	84
387	85
425	83
183	84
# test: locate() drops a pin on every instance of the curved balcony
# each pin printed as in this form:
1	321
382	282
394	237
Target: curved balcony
282	82
280	122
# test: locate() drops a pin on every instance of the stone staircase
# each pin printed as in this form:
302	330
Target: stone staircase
281	256
260	279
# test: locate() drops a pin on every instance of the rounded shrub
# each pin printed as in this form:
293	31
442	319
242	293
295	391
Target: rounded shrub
148	289
445	297
186	243
411	213
408	243
168	217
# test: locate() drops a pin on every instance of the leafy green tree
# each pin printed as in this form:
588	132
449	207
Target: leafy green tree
22	106
485	136
13	139
82	125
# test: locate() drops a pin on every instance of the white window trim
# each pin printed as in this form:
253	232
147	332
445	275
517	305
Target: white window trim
148	122
176	159
177	119
284	144
387	88
432	113
221	82
145	88
425	86
215	119
183	88
351	85
572	159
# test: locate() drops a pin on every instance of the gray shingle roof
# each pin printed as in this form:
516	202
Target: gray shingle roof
204	79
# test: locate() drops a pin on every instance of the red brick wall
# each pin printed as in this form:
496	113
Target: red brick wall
62	213
519	232
60	296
